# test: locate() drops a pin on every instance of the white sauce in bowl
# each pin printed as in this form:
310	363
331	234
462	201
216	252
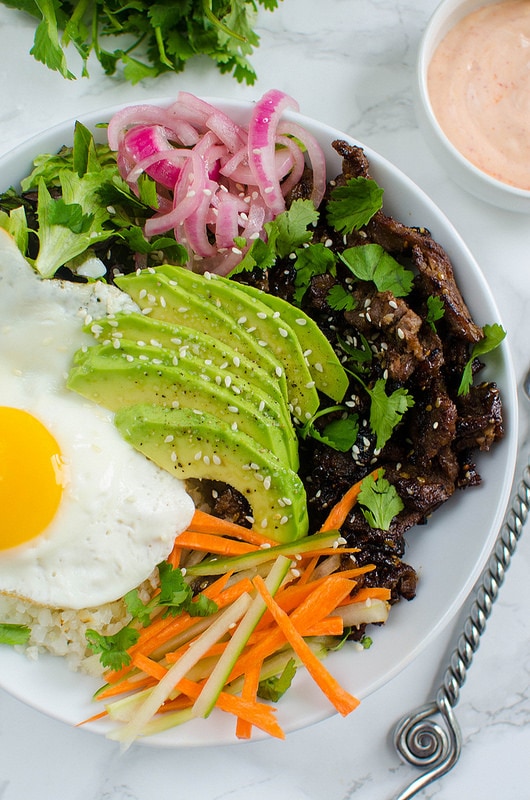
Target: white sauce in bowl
479	87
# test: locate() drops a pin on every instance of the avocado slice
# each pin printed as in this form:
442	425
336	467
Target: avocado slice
265	325
324	365
198	445
116	378
162	299
183	340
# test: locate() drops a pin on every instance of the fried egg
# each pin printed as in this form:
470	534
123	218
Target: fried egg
84	518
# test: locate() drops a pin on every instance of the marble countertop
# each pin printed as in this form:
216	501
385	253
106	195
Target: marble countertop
350	63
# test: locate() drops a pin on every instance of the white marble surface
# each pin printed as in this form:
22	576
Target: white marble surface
351	63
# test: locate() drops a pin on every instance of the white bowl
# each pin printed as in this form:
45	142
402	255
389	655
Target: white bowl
463	172
449	552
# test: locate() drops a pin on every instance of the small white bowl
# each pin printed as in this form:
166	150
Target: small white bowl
463	172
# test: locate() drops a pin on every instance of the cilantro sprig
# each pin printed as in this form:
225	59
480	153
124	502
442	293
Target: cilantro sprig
339	434
493	336
352	206
386	410
175	596
379	501
148	38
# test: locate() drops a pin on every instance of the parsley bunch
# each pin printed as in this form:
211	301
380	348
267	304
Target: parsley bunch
165	34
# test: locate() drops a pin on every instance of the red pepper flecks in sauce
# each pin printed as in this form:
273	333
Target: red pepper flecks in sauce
479	87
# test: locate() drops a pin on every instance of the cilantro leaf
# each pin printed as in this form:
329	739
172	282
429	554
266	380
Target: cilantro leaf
113	649
287	232
386	411
379	501
340	299
13	634
275	687
177	595
493	336
290	229
370	262
435	310
138	610
340	434
353	205
316	259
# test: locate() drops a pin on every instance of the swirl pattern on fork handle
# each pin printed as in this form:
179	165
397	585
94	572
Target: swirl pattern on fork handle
419	738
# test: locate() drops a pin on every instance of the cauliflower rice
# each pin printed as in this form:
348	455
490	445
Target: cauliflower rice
61	632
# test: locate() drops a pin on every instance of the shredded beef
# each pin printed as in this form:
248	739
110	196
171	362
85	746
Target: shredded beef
430	454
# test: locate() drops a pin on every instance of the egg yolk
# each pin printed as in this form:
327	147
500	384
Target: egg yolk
30	477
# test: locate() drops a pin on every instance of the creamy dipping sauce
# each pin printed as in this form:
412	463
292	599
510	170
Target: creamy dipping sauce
479	87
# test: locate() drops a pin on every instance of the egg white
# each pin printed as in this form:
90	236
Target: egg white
119	513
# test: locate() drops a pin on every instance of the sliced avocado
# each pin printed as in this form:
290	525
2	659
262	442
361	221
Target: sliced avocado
199	445
261	321
161	298
324	365
181	339
115	378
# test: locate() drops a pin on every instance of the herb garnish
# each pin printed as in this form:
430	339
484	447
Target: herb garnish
370	262
339	434
166	34
274	688
493	336
379	501
174	597
353	205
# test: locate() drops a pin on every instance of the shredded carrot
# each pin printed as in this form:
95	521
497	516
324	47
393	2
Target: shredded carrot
206	523
331	626
249	692
369	593
258	714
208	543
319	604
150	667
340	510
308	570
339	697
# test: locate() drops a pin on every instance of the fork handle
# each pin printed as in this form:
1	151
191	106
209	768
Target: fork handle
419	739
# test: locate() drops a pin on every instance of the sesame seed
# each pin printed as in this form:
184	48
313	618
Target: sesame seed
233	409
267	482
173	456
279	372
198	455
283	332
400	333
268	189
261	315
206	460
301	321
392	304
264	522
169	438
146	311
284	520
435	425
216	460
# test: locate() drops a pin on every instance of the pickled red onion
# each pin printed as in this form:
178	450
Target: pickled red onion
216	181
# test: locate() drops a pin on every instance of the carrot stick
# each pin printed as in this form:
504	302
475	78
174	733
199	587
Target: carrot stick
258	714
319	604
369	593
208	543
206	523
248	692
331	626
340	510
150	667
340	699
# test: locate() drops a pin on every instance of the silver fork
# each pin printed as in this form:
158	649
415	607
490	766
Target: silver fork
430	737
